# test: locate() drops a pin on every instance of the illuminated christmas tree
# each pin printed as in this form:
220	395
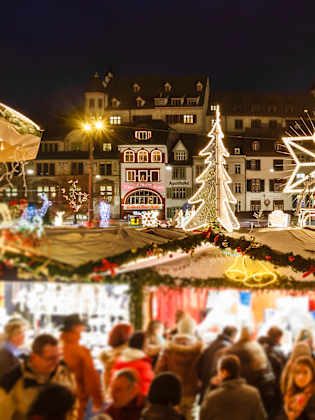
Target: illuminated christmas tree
214	196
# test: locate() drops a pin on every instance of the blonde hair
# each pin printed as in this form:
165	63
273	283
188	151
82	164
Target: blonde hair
301	360
13	328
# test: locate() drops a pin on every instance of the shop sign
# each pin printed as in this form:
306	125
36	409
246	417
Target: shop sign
179	183
132	185
142	206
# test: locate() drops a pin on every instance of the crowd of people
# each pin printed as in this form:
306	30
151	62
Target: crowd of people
156	375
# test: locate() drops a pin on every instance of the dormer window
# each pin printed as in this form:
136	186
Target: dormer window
278	147
167	87
192	101
237	151
136	88
255	146
115	120
160	101
115	103
107	147
143	134
140	102
156	156
177	101
143	156
129	156
180	155
199	86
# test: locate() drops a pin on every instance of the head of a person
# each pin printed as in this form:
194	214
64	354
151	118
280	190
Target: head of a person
302	373
230	331
125	387
45	354
300	349
73	323
187	326
275	335
165	389
120	335
155	327
245	334
14	332
179	314
53	402
138	340
305	336
229	367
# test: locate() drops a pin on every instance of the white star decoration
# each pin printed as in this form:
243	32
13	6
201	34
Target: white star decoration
305	168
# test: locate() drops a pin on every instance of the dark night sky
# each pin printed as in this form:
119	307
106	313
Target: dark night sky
50	48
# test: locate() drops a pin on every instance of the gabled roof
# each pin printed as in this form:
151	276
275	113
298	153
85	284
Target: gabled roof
122	88
267	147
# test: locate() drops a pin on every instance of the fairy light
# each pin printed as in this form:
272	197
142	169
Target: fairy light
150	218
214	195
104	210
58	221
18	114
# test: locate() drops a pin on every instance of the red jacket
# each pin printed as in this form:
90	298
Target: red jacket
139	361
131	411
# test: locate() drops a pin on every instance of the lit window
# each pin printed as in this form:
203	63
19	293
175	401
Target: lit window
9	192
143	156
136	87
143	175
199	86
115	119
107	147
177	101
50	190
167	87
130	176
129	156
237	151
278	147
106	191
156	156
143	135
238	187
180	155
255	146
140	102
160	101
188	119
115	103
192	101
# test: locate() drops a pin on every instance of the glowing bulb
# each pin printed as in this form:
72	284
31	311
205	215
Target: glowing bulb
99	125
87	127
30	171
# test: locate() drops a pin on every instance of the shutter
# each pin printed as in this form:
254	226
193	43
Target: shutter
262	185
272	185
248	165
249	185
258	164
168	192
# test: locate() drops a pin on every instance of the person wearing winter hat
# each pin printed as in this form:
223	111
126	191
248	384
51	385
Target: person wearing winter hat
165	393
181	357
80	360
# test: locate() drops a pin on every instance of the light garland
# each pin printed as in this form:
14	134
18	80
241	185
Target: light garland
104	210
75	197
150	218
214	194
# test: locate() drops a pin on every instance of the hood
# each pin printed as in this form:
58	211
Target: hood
70	337
185	340
188	351
129	354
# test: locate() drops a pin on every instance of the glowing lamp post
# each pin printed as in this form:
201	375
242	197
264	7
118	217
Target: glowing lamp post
92	128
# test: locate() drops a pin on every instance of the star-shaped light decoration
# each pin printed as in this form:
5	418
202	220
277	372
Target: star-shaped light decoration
302	150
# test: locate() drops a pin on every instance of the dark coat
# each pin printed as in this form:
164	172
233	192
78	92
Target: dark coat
7	361
308	413
256	369
131	411
161	412
207	363
233	399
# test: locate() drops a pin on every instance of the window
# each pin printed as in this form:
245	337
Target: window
179	193
49	190
189	119
255	185
237	151
106	169
130	176
276	185
237	168
271	108
92	103
136	88
238	124
143	176
199	169
255	205
143	197
107	147
238	187
115	103
253	164
143	135
180	155
273	123
140	102
115	119
49	147
177	101
155	176
278	164
129	156
278	147
143	156
167	87
156	156
171	211
45	169
255	146
238	206
192	101
77	168
179	172
199	86
160	101
76	146
100	103
106	191
256	123
9	192
278	205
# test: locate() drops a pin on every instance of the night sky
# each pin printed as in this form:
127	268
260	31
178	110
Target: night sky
50	48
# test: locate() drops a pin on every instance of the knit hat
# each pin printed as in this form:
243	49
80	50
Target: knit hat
187	326
165	389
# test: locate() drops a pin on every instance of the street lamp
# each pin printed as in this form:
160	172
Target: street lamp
91	128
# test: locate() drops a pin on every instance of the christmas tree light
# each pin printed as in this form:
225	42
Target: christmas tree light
214	194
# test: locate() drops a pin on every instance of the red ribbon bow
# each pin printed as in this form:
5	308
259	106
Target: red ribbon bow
107	266
311	270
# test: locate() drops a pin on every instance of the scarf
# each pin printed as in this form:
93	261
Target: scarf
294	404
